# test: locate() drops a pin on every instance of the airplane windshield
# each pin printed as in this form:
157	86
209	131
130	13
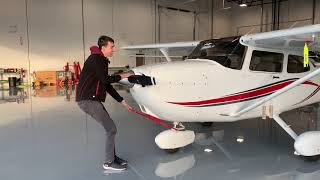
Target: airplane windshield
226	51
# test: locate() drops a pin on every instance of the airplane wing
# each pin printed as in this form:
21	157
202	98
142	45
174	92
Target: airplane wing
164	47
292	39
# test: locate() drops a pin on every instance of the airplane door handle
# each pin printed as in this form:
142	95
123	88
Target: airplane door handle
275	77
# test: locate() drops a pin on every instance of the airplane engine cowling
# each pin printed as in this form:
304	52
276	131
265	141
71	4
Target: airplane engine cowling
308	143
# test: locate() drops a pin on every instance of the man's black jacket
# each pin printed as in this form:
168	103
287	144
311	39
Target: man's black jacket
94	80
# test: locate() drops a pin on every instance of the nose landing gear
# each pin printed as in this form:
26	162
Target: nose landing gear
172	140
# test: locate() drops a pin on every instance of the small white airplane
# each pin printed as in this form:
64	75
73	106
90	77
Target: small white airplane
232	79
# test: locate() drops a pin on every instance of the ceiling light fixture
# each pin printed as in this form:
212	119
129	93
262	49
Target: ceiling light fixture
240	139
208	150
243	5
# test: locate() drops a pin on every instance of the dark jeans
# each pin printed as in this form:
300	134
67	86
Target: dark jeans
98	112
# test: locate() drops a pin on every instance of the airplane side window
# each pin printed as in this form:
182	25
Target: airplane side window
295	64
266	61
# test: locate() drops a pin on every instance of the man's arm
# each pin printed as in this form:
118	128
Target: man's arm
106	80
102	74
113	92
99	67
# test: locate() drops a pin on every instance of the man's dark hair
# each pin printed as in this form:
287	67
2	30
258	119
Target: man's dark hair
103	41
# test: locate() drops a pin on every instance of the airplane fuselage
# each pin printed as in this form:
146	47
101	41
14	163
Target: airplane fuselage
202	90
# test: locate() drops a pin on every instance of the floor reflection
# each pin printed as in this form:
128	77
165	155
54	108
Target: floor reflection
250	149
13	94
49	137
173	167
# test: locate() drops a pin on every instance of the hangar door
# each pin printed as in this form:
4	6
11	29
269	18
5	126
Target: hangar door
13	36
175	25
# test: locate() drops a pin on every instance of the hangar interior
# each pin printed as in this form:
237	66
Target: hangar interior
44	134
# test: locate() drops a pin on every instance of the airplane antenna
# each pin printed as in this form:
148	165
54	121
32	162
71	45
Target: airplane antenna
293	25
250	31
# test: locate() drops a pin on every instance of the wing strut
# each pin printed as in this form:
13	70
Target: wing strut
165	53
284	126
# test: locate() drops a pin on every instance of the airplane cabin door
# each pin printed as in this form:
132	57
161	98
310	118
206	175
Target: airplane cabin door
265	74
294	70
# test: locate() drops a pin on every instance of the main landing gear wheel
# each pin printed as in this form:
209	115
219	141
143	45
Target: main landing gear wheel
306	145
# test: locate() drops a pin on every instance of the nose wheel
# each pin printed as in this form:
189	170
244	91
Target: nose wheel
206	124
171	151
179	127
312	158
172	140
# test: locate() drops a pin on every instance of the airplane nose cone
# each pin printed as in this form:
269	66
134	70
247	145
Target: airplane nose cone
137	76
142	80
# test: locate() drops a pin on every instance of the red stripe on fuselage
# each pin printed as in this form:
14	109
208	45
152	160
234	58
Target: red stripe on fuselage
242	96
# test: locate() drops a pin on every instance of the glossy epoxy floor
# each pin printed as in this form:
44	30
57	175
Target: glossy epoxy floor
49	138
